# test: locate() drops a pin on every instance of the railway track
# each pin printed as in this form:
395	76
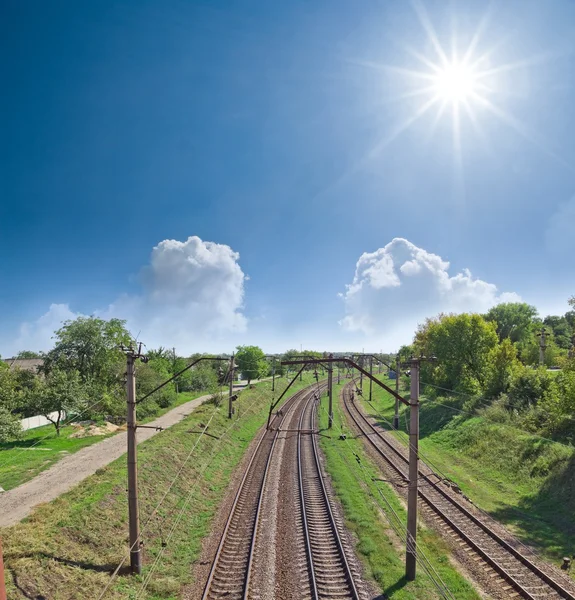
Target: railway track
326	570
331	575
519	574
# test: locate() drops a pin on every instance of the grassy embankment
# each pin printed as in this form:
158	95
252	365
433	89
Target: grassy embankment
366	504
38	449
68	547
521	479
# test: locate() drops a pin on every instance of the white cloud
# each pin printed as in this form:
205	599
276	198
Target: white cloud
560	231
193	292
37	335
397	286
192	297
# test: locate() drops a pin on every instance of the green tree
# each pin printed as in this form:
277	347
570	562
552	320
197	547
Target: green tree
60	393
28	354
251	362
9	400
503	365
463	347
513	320
561	329
89	346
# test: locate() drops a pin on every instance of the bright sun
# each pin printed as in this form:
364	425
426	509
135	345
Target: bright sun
455	82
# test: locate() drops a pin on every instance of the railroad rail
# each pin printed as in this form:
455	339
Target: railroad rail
233	574
330	572
522	576
231	568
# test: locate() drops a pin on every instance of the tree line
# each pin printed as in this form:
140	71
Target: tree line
83	375
492	361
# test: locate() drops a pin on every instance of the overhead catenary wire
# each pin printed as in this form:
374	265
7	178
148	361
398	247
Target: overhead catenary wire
447	477
425	563
187	498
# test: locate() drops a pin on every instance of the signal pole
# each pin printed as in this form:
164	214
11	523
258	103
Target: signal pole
231	393
411	556
396	414
133	509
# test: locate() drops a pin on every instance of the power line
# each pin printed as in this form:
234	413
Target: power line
397	524
233	424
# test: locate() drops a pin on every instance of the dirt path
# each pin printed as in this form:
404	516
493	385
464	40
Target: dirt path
19	502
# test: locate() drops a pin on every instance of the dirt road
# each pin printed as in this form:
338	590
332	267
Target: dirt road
19	502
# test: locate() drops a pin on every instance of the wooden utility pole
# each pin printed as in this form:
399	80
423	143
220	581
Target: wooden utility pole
274	374
338	373
396	414
133	509
371	373
330	394
411	555
174	368
231	391
3	595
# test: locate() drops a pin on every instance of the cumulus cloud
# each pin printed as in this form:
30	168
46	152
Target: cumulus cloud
560	231
37	335
397	286
192	296
192	291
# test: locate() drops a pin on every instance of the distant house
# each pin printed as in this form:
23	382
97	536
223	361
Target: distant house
26	364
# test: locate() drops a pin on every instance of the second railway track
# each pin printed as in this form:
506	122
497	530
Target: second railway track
522	576
323	570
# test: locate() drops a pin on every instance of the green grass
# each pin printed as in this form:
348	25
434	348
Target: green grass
365	508
523	480
38	449
66	549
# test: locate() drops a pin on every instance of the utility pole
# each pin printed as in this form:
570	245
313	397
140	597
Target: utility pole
396	414
231	394
3	595
174	367
360	373
411	557
542	346
371	373
338	374
133	509
330	392
274	374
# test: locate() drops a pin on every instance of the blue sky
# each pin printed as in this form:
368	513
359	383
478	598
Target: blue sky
277	134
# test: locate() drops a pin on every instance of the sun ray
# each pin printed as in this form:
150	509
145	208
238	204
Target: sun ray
474	123
402	127
428	27
392	69
435	122
521	129
527	62
477	35
422	58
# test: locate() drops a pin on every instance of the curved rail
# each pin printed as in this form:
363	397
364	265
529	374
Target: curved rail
330	572
510	563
